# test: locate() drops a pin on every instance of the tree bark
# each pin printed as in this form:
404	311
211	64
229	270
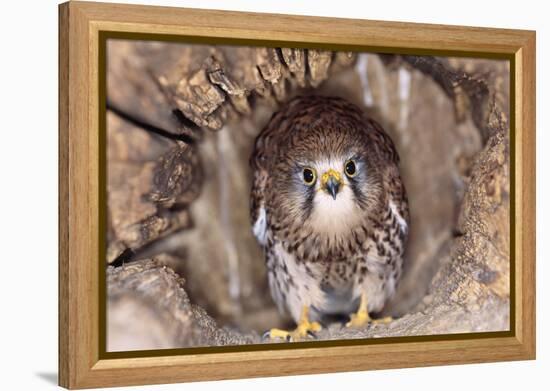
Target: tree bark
181	126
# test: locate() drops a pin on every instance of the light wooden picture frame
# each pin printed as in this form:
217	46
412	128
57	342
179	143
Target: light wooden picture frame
83	30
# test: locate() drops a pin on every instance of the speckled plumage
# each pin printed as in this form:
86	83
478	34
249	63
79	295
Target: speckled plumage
325	251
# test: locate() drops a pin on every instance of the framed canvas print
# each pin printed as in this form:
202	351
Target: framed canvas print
251	195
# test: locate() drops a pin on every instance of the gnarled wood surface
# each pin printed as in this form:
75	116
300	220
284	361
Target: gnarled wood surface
181	124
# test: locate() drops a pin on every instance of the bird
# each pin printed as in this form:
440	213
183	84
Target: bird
330	211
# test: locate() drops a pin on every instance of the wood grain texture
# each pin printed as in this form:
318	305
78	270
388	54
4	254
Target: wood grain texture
64	353
525	188
79	255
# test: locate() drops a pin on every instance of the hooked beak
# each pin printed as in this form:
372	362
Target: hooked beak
332	186
331	181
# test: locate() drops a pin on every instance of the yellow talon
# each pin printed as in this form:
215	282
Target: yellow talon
304	328
361	317
384	320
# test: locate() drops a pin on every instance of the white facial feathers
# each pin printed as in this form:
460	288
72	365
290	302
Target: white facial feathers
334	216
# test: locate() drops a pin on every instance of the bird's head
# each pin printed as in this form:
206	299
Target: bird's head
333	192
332	185
326	166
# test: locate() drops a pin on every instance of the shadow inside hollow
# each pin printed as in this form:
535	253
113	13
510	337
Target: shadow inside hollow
50	377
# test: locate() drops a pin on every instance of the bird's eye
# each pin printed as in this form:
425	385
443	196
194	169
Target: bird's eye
350	168
309	176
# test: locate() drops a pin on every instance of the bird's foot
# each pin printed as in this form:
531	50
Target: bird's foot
362	318
384	320
301	332
359	319
304	329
